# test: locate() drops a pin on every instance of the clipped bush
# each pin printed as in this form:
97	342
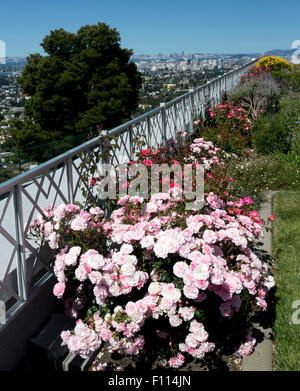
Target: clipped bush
283	79
274	63
295	79
258	93
288	80
272	133
230	140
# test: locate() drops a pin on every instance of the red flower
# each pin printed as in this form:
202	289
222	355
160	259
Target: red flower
272	217
93	181
145	151
210	175
247	200
254	214
147	162
173	184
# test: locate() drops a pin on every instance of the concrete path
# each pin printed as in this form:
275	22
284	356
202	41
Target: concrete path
261	358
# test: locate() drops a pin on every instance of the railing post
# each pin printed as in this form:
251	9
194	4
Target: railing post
163	122
149	131
207	96
225	84
131	153
20	250
176	117
192	110
70	180
202	98
219	89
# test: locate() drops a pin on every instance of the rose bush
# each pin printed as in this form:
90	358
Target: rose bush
181	151
228	126
156	279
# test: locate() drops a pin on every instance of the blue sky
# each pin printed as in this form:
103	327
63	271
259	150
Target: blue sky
149	27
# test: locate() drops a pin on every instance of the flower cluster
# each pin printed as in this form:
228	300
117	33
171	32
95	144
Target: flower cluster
49	223
274	63
190	156
254	72
228	126
233	115
246	348
196	341
204	152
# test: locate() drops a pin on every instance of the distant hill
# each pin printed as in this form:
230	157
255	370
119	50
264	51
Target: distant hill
243	54
280	52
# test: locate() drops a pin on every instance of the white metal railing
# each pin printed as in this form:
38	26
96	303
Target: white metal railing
23	267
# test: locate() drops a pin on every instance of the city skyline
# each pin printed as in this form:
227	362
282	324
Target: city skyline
162	27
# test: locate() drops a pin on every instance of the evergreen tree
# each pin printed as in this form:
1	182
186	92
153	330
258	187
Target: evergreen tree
85	80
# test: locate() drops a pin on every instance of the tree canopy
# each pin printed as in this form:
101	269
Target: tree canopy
85	80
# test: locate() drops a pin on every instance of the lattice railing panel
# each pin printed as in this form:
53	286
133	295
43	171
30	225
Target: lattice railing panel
156	129
9	290
47	190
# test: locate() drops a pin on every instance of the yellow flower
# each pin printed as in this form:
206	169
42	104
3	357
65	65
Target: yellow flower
274	63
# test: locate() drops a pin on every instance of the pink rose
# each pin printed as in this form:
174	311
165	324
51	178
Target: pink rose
130	308
191	292
59	289
195	326
166	303
209	236
180	268
79	224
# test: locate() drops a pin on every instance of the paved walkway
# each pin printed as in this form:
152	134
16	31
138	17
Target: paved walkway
261	358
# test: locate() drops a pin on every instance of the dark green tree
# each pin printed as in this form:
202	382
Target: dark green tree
86	79
5	174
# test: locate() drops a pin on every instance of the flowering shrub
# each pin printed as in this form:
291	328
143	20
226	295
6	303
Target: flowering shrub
274	63
180	151
156	278
228	126
257	93
255	71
